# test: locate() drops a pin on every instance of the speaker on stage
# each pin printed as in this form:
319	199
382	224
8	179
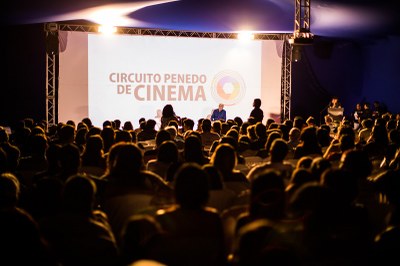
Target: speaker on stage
52	42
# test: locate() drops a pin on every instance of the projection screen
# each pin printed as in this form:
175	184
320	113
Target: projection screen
126	77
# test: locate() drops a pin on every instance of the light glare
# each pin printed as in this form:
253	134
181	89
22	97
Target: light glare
245	35
107	29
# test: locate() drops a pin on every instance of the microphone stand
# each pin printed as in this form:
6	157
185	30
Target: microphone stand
320	113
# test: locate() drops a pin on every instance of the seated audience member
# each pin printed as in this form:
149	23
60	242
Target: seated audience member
207	136
193	151
128	188
221	198
278	151
225	160
167	154
294	140
80	234
365	131
309	145
93	159
141	235
21	241
188	125
267	198
162	135
149	132
108	136
13	153
194	232
34	161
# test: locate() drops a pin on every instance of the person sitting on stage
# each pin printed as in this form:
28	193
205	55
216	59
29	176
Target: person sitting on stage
219	114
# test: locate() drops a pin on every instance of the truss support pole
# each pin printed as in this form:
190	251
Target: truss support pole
51	30
286	80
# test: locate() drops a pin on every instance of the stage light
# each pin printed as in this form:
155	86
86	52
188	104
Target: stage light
245	35
296	53
107	29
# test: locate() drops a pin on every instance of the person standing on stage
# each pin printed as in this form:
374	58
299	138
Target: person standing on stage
357	116
335	103
257	113
168	114
219	114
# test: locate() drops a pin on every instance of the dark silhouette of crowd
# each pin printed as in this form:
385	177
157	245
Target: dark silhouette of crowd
235	193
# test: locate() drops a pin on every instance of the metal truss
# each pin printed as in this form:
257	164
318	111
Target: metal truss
51	82
52	59
286	80
302	16
172	33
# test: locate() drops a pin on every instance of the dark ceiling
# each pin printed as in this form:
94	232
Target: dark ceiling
330	18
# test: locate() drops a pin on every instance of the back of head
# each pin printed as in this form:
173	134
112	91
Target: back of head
117	123
367	123
206	125
123	136
357	163
267	195
9	191
128	160
3	135
137	232
69	156
191	186
168	110
304	162
127	126
224	158
270	139
67	134
172	131
94	144
150	124
188	123
193	149
238	120
318	166
298	122
257	103
308	198
88	122
261	130
230	140
168	152
214	177
78	195
161	136
309	135
93	131
294	134
38	144
341	185
259	245
174	123
279	150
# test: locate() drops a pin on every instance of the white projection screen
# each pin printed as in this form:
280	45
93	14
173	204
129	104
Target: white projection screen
126	77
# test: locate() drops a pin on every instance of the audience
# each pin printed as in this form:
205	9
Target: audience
79	194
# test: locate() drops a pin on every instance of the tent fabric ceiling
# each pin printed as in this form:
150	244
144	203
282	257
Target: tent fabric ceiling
332	18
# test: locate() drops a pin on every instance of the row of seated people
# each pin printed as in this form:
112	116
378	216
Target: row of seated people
203	209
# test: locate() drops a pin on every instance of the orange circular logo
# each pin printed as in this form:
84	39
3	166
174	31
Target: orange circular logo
228	87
